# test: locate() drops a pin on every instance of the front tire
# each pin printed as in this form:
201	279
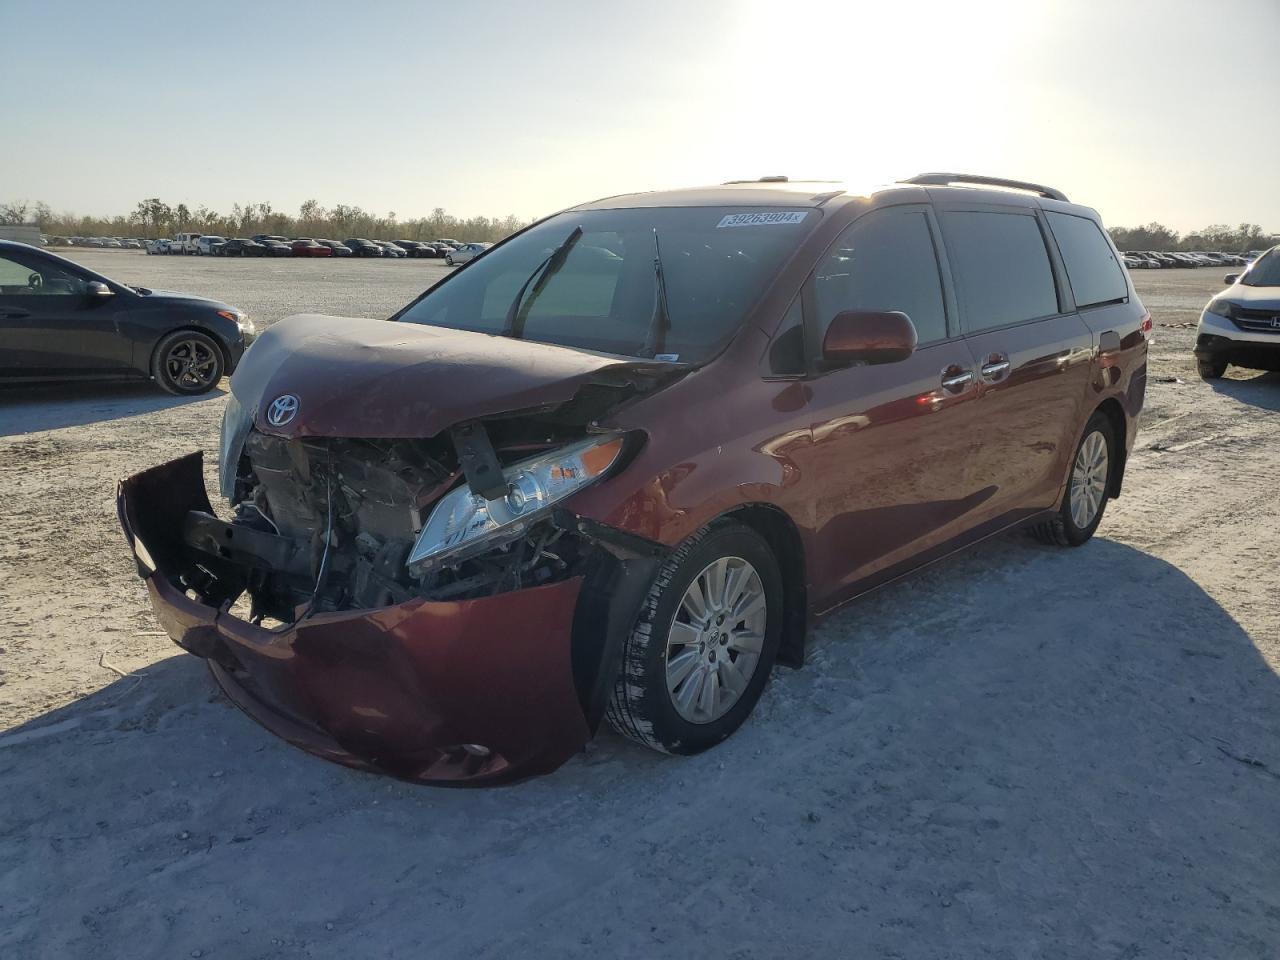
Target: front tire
187	362
1088	487
1211	369
703	646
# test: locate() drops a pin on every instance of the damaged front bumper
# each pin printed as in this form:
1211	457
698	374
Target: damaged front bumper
469	692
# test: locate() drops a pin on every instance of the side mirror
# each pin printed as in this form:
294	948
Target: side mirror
865	336
1230	278
99	289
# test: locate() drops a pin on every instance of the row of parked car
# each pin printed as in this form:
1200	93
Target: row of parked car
114	243
1155	260
266	245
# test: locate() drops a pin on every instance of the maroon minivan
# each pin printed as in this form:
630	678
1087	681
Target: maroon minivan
619	464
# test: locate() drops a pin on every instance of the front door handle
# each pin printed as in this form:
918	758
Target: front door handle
954	380
994	369
14	314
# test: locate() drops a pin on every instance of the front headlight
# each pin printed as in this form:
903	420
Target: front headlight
464	523
241	320
236	423
1221	307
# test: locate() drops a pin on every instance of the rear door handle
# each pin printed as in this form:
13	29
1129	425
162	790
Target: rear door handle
993	370
14	313
954	382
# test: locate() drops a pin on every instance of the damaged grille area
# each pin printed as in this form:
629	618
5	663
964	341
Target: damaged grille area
326	524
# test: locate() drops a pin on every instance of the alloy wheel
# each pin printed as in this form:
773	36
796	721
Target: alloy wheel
191	364
1089	479
716	639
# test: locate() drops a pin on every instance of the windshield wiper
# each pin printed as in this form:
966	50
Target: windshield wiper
655	340
513	326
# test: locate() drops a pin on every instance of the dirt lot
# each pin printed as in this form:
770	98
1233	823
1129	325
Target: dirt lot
1024	753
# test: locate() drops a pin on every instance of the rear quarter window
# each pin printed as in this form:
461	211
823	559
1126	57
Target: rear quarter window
1092	270
1001	267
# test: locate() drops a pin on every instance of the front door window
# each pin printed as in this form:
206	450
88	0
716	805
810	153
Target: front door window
18	279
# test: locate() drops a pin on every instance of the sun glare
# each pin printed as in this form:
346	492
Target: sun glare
869	92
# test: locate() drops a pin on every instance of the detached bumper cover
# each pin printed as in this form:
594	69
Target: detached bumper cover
410	690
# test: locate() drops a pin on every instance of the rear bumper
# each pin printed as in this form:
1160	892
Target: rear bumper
409	690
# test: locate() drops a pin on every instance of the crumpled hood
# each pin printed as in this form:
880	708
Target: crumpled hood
376	378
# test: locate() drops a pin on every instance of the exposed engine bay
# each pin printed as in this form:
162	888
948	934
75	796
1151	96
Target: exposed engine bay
329	524
324	525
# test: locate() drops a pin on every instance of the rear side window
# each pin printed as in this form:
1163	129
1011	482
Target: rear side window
884	261
1091	266
1001	268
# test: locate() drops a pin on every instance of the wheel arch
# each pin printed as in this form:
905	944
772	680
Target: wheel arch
1114	412
783	537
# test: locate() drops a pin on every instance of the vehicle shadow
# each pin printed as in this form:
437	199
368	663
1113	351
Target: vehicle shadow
1262	390
1027	752
26	408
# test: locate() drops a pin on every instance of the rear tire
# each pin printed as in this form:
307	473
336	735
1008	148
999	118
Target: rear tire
704	644
1088	487
1211	369
448	259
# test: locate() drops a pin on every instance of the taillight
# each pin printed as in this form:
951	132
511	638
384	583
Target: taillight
1146	323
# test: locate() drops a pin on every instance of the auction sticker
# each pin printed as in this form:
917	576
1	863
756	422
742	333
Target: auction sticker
766	219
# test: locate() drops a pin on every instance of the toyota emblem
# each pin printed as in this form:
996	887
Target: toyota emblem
283	409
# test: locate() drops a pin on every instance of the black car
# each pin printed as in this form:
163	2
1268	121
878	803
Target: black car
339	249
276	248
363	248
59	321
416	248
261	237
240	247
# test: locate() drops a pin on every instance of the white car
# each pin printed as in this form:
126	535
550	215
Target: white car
468	251
1241	325
204	244
389	249
184	242
158	246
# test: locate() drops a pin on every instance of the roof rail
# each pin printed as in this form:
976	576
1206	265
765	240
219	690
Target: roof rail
945	179
773	179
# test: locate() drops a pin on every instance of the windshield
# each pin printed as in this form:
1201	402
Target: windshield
1265	271
716	262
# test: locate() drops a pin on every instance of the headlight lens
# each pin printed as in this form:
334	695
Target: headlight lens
241	320
464	524
235	428
1221	307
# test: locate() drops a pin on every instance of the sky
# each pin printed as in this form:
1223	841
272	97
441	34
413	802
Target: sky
1145	110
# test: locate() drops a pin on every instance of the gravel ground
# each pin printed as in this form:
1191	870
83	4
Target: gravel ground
1026	752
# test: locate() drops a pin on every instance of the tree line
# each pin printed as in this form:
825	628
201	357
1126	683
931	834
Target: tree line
153	218
1217	237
